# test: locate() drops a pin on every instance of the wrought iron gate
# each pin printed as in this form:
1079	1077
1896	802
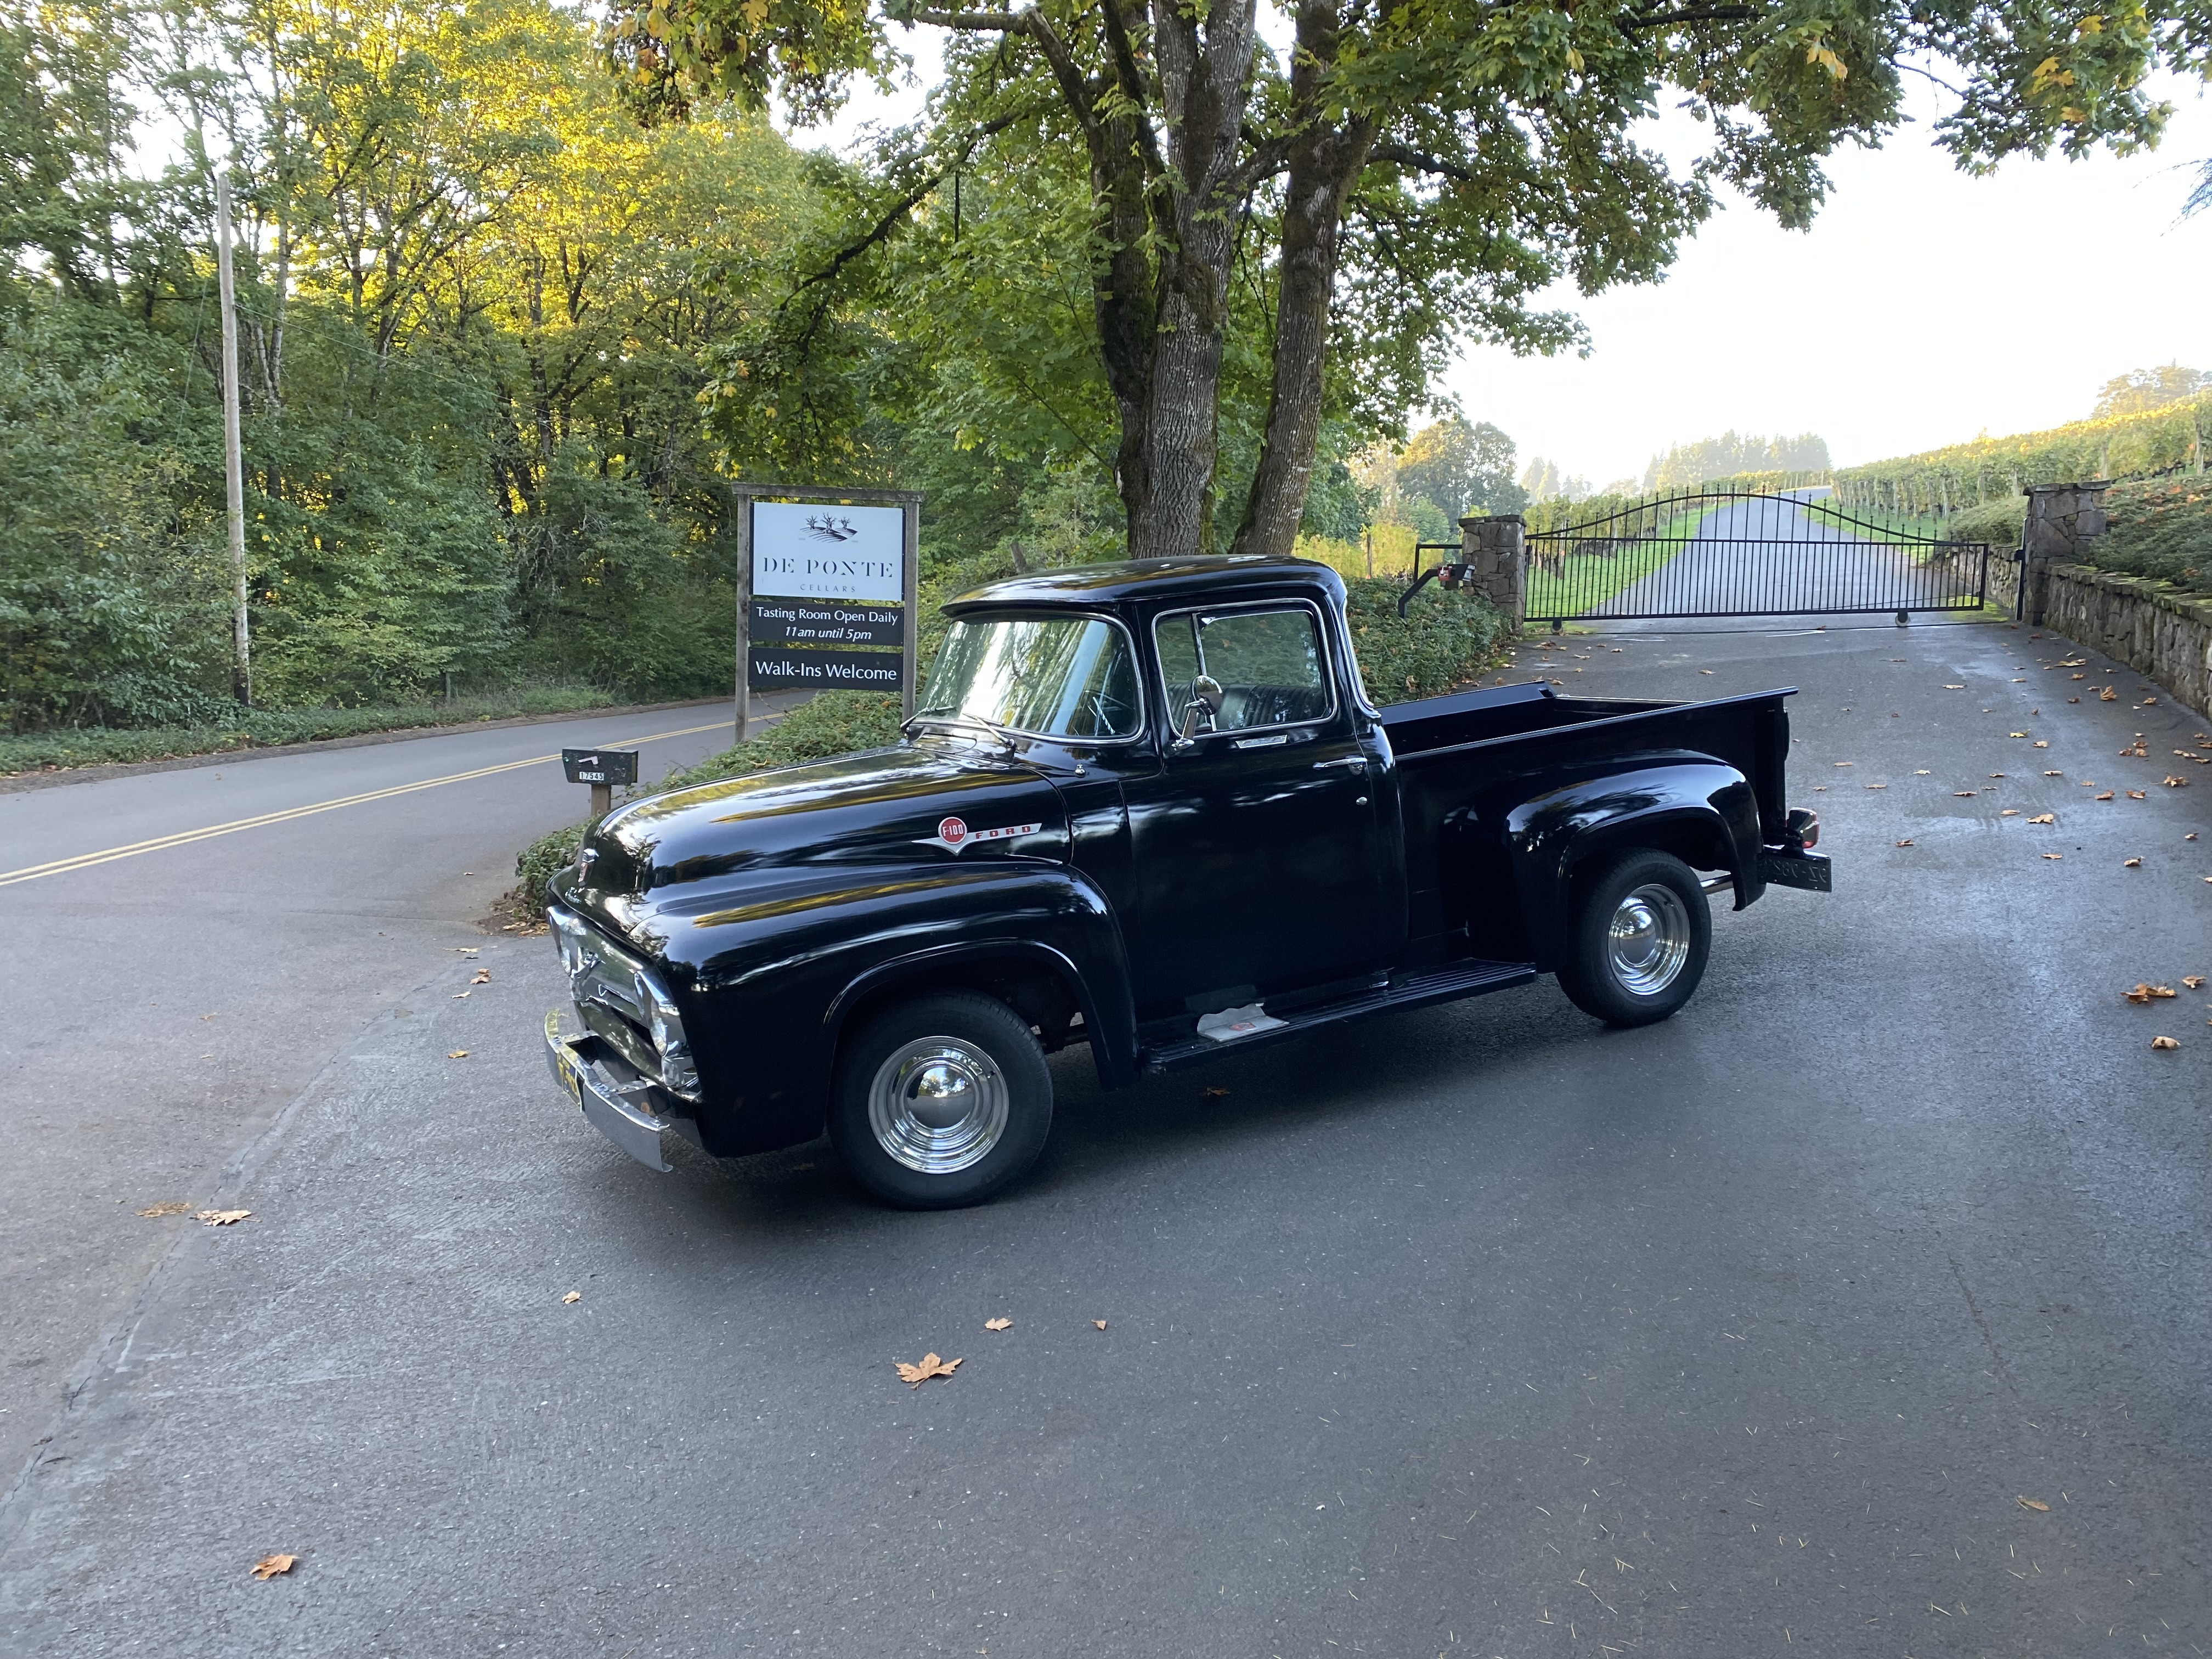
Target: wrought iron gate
1721	554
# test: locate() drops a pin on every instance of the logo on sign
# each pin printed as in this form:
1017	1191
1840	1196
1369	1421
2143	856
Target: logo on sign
953	834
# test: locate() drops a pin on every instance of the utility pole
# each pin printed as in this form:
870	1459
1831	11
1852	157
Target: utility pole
233	464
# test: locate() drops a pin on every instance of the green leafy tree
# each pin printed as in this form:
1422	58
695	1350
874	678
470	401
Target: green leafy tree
2149	388
1461	468
1420	171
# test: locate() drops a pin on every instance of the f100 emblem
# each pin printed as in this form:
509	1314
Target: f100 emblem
953	834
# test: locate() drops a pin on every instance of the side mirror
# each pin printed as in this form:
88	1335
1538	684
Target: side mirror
1205	700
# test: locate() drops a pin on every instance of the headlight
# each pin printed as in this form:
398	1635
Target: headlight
676	1070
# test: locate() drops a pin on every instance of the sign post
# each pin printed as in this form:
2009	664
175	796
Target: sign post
826	589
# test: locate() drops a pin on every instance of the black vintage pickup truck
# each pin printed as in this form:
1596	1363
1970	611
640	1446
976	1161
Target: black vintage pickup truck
1147	807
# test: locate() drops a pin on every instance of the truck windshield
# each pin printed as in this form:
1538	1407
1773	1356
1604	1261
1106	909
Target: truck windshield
1057	677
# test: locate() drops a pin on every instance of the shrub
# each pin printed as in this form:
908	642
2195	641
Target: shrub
2161	528
1998	523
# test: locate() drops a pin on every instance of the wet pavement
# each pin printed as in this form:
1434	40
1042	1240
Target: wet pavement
1863	1308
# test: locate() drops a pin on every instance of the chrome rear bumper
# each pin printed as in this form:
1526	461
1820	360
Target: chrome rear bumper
623	1104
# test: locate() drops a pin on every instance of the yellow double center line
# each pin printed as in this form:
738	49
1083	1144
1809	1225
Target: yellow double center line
186	837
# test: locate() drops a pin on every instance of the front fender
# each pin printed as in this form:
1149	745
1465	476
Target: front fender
775	967
1705	811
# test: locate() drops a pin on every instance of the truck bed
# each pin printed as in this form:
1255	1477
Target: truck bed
1456	755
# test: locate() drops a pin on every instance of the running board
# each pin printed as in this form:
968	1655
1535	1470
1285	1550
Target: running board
1460	979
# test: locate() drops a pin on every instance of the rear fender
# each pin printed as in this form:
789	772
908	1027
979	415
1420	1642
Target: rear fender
1704	812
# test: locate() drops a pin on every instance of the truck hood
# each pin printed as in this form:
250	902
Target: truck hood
928	804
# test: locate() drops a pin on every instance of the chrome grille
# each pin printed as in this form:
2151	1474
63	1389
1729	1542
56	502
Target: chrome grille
620	996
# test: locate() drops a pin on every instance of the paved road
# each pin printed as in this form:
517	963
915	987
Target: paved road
1480	1330
162	1006
1771	555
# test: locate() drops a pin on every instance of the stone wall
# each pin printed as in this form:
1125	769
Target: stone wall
2145	624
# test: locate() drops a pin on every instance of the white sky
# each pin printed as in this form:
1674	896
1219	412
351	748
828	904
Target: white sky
1921	307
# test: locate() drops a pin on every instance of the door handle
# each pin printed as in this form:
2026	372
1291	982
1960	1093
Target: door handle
1347	760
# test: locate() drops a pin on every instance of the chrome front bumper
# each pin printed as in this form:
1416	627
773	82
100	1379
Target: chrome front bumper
622	1104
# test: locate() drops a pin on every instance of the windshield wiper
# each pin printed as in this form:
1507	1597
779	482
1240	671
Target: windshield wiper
951	717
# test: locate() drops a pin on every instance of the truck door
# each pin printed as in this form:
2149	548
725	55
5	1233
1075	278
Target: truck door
1256	861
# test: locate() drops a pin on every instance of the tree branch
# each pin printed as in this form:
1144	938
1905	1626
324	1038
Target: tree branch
1031	21
1698	14
1420	162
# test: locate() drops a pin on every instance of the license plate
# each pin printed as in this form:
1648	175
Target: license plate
565	1065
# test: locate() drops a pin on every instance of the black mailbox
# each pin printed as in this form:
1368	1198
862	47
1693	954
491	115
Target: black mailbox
606	766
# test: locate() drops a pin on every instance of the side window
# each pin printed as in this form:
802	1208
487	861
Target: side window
1268	663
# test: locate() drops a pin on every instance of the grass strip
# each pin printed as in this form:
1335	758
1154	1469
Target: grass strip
263	728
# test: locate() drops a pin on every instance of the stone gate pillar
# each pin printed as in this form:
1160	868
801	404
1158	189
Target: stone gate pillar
1498	548
2060	519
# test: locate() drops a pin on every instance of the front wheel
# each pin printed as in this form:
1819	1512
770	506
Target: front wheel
1639	938
941	1101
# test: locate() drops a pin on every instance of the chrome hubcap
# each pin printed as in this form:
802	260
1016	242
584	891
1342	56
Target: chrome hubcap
937	1105
1649	939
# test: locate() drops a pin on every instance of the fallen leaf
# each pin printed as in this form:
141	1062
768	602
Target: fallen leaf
2134	794
1874	786
457	1053
2107	795
2072	699
2107	695
2145	992
1964	794
2177	783
1100	1323
2035	1504
2054	775
2016	734
2054	857
1905	844
931	1366
1705	671
223	1218
2164	1042
483	977
171	1207
2040	744
1955	688
2081	676
269	1565
2148	702
2010	813
1213	1091
1846	762
2194	981
2045	817
2131	864
997	1324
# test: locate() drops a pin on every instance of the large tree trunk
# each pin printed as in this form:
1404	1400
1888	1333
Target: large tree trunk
1205	81
1322	169
1122	298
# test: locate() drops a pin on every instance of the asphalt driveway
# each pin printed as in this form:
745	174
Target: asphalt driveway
1864	1308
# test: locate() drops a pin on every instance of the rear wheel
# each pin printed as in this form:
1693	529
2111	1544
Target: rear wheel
941	1101
1639	938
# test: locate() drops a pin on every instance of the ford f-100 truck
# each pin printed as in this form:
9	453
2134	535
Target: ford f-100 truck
1147	807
